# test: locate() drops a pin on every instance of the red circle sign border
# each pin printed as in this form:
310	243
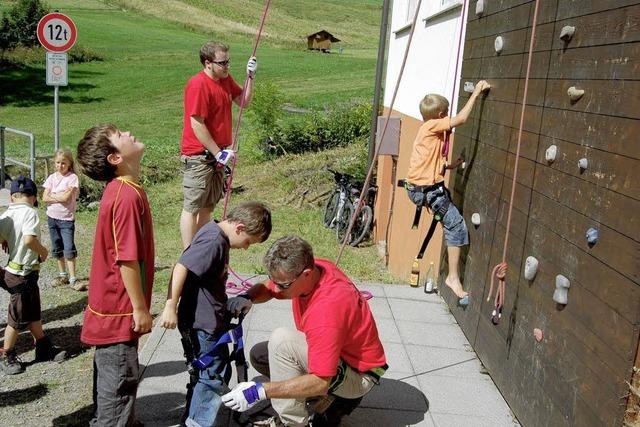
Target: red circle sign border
40	32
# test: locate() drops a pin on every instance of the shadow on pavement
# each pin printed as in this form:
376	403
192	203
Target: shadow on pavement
391	403
163	369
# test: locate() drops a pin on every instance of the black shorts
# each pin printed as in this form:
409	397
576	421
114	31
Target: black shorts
24	304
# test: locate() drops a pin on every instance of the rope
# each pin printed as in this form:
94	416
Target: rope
234	145
365	187
465	9
499	271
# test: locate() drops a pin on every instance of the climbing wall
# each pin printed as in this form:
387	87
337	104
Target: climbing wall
577	374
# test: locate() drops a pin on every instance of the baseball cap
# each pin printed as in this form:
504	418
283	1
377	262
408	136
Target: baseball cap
24	185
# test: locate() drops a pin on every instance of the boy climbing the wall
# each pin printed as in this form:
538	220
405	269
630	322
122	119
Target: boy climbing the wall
425	178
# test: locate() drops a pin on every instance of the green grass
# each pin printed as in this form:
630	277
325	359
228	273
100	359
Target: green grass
138	85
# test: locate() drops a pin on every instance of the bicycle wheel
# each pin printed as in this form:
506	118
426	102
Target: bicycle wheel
361	227
330	208
342	222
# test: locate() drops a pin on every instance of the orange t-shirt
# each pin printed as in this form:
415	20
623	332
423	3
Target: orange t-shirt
426	164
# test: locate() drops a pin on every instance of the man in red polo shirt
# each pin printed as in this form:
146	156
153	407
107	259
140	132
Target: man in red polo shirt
207	133
334	353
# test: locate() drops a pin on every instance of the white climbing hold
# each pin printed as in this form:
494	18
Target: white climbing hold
475	219
583	163
592	236
574	93
530	268
567	33
498	44
550	154
479	7
562	289
469	87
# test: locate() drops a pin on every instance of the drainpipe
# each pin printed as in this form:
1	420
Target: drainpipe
382	46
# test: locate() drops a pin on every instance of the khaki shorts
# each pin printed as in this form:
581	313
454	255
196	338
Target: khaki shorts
202	183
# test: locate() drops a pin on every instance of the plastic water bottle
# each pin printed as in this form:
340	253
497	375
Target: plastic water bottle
430	283
414	278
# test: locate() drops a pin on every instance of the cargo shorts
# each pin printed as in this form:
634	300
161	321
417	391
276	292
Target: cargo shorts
202	183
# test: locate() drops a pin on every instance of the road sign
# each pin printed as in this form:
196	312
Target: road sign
57	32
57	69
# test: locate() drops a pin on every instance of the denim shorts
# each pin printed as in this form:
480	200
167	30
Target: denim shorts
61	232
455	228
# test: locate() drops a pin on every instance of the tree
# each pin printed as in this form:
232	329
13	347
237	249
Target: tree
19	24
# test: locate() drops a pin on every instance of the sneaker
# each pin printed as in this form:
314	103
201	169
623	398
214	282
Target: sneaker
10	363
269	422
45	351
80	285
60	280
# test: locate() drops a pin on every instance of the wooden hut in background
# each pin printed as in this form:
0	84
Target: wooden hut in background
321	41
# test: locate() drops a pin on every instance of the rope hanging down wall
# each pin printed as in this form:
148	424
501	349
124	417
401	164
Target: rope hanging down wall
367	180
500	270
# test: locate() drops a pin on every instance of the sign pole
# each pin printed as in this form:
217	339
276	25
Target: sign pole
56	118
57	33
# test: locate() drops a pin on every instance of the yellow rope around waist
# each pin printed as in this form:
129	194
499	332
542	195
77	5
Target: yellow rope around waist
22	267
97	313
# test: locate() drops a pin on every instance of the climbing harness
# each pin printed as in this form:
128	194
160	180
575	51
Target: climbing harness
234	145
499	271
232	336
439	193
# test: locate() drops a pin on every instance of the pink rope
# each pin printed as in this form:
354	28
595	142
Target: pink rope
499	271
365	186
465	9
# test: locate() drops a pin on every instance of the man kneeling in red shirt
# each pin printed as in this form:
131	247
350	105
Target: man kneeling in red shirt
335	351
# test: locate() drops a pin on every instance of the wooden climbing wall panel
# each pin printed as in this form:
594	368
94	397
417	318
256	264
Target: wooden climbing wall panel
577	375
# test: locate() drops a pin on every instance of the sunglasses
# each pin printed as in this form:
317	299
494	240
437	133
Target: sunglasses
287	285
224	63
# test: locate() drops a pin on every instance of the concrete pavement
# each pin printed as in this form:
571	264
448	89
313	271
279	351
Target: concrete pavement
434	378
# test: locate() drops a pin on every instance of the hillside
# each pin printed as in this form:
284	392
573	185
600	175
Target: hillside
355	22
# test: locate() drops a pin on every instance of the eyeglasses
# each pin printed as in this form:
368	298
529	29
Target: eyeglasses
224	63
287	285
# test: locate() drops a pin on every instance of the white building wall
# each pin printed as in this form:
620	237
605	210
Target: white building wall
432	58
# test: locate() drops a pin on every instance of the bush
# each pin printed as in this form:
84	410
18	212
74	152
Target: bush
19	24
344	125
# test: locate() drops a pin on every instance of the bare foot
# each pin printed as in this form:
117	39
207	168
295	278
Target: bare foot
456	287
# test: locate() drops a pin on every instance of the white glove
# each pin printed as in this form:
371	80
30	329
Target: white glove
237	305
225	156
244	396
252	67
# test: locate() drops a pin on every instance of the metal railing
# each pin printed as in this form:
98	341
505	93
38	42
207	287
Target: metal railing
4	159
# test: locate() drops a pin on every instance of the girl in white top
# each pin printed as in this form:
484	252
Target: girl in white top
60	193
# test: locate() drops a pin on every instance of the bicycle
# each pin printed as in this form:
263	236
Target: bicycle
340	205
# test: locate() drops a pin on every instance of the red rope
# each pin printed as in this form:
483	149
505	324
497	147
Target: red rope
499	271
365	186
234	145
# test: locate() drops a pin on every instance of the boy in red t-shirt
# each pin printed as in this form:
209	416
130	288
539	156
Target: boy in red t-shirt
425	177
121	277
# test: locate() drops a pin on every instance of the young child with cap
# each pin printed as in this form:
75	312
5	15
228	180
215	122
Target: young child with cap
20	230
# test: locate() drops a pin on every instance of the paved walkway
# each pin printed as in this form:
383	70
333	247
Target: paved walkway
434	377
